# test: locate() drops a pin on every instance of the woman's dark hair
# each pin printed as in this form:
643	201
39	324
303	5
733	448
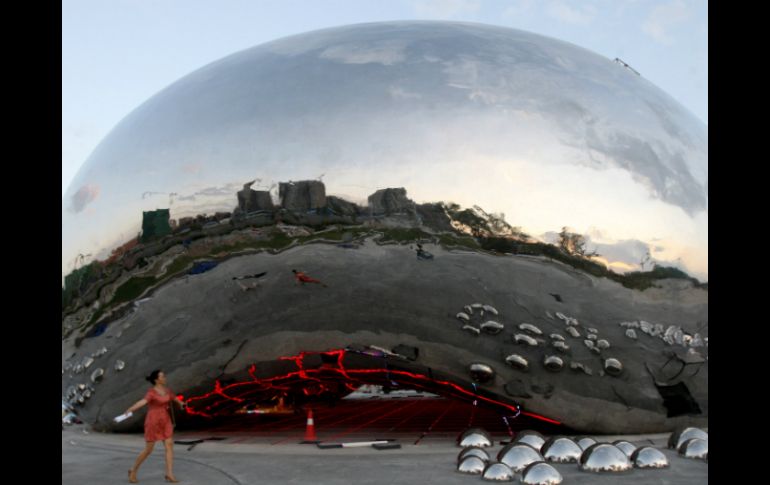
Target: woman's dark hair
153	376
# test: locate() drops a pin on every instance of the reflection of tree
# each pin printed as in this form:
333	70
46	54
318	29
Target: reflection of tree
574	244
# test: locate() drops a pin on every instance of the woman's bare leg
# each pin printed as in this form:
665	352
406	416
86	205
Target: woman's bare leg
169	444
142	456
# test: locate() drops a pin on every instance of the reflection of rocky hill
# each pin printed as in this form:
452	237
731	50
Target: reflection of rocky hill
102	291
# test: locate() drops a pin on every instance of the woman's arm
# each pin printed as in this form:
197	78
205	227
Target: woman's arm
137	405
181	403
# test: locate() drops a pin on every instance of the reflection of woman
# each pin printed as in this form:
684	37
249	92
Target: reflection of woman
157	424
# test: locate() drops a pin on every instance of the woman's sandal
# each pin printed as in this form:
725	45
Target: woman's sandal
132	478
172	480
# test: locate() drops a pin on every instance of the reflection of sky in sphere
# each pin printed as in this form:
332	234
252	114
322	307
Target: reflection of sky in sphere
548	133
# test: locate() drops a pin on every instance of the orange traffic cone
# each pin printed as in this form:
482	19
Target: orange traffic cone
310	436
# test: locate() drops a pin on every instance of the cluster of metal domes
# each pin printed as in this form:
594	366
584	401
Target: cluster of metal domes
529	456
77	394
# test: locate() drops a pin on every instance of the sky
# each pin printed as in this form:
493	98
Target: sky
117	54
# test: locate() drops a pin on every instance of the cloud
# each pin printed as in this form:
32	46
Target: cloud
192	168
569	15
663	18
84	196
400	93
386	52
445	9
519	7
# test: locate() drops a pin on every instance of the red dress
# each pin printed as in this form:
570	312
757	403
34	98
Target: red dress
157	424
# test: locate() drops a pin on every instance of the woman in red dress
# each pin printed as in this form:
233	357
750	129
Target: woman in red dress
157	424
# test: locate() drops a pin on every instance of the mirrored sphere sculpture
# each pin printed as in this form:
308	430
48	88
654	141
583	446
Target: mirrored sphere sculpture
475	437
532	438
682	434
540	473
613	366
561	450
585	443
649	457
517	361
694	448
553	363
604	457
472	465
518	456
473	451
625	446
481	372
497	472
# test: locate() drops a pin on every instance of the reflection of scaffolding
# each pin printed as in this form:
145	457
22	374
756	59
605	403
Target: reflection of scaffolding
627	66
171	195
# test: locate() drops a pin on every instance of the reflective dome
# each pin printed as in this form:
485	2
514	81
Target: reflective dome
561	450
682	434
625	446
540	473
520	338
528	327
603	457
649	457
330	152
474	437
601	147
515	360
532	438
481	372
585	443
473	451
553	363
472	465
492	327
497	472
613	367
694	448
518	455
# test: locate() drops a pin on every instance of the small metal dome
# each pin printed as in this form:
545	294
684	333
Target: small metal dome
540	473
553	363
518	456
561	450
573	332
682	434
602	344
528	327
517	361
625	446
497	472
604	457
532	438
473	451
481	372
474	437
556	336
585	443
520	338
649	457
613	366
695	448
560	346
472	465
97	374
631	333
492	327
119	365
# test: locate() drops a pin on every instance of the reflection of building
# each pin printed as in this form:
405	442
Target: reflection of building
250	200
302	196
155	224
390	201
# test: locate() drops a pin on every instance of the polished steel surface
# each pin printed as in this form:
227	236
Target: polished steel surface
540	473
559	449
604	457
